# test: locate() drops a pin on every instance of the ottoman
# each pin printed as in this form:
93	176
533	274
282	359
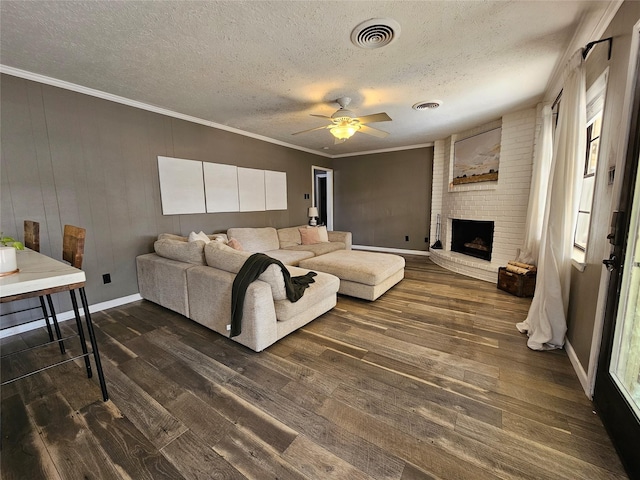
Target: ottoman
365	275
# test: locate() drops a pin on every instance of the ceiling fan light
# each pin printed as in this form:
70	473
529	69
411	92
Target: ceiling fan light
342	132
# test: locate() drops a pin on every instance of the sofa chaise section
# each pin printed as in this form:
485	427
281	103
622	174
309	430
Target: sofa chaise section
265	320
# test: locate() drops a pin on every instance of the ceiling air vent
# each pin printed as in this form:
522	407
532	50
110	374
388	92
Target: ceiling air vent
426	105
375	33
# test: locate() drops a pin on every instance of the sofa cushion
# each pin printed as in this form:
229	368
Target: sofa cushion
289	237
182	251
368	268
256	240
220	237
290	257
325	285
171	236
319	248
225	258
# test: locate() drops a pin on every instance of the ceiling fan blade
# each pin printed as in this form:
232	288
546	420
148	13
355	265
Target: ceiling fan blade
319	116
372	131
375	117
312	129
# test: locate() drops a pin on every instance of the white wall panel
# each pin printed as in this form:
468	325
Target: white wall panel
251	190
275	184
181	186
221	187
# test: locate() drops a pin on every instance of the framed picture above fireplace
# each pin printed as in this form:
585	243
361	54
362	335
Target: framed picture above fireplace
477	158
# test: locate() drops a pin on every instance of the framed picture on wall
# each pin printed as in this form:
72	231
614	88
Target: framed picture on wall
477	158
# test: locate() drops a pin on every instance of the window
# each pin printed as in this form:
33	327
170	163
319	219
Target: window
595	106
588	183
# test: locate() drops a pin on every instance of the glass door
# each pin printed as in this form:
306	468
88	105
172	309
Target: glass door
624	366
617	388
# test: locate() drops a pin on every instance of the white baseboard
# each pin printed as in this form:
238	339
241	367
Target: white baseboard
577	366
391	250
116	302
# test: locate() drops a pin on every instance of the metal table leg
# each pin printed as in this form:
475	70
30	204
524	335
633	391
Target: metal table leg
55	323
94	344
83	343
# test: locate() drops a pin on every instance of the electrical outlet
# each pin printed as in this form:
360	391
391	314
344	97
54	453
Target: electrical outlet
307	196
406	238
426	239
106	278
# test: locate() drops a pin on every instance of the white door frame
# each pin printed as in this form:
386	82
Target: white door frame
329	175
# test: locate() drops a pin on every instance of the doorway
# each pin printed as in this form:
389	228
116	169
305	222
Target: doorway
617	388
322	194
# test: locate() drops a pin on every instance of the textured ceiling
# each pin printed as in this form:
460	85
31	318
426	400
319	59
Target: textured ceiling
264	66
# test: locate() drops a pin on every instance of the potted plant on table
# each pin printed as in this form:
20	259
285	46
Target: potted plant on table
8	247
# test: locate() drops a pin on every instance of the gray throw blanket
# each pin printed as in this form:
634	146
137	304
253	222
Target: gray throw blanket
251	270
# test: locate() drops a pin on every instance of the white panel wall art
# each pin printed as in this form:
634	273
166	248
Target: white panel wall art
221	187
275	184
181	186
190	186
251	190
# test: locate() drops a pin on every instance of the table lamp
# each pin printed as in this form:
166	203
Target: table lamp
313	215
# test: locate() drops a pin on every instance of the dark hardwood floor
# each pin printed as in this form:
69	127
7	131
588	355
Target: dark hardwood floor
431	381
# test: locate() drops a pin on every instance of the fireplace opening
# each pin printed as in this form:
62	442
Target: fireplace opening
472	237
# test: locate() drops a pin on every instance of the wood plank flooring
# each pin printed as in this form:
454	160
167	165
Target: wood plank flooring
431	381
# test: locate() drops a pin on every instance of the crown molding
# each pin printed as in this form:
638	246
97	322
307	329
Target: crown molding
54	82
36	77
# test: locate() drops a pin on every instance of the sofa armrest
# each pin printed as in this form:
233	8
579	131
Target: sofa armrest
210	305
344	237
164	281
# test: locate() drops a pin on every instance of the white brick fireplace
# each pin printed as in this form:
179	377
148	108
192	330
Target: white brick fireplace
503	202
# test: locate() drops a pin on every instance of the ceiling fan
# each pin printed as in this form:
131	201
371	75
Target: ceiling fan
344	124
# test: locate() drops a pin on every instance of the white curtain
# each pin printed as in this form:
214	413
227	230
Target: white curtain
538	191
546	323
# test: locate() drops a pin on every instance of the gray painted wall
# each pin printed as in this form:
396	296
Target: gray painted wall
384	197
69	158
585	285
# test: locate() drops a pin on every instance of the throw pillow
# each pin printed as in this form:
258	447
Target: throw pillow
322	233
219	238
312	235
190	252
235	244
193	236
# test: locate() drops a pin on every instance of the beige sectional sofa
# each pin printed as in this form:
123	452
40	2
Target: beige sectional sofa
195	279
